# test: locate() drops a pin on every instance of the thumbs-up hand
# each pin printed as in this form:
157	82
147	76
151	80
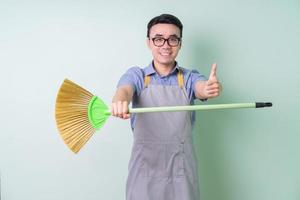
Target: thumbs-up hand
212	87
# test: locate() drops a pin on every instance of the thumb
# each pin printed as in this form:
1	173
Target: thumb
213	72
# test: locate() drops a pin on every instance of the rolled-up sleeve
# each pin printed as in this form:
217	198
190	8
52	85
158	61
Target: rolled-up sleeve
192	77
134	77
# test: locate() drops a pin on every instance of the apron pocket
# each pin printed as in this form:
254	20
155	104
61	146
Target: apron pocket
162	160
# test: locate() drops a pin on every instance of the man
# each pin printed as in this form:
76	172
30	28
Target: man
162	164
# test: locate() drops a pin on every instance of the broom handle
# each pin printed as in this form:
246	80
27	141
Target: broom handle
200	107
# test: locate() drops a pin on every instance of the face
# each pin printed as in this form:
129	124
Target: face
164	55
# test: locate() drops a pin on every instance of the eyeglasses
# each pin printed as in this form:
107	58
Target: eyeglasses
172	41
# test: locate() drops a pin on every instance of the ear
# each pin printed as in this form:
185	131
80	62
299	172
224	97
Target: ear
148	42
180	44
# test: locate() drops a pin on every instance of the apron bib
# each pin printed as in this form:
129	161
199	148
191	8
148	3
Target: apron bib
162	164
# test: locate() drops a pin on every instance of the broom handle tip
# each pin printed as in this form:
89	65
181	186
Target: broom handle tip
263	104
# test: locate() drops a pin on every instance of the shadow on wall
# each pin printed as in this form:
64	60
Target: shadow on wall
208	139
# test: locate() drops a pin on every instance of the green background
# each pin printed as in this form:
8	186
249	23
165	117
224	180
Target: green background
247	154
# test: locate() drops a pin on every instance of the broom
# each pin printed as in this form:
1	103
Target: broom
79	113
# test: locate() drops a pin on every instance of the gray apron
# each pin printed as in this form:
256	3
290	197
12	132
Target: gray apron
162	164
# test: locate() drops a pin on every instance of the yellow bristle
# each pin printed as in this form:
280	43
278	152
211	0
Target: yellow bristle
71	113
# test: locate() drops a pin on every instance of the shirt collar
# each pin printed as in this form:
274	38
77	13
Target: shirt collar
151	70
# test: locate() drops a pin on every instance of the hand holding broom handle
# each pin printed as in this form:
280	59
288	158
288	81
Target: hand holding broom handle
79	113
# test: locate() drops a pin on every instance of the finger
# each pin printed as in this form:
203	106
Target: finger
211	92
212	95
114	109
212	87
124	108
212	81
126	116
217	85
120	109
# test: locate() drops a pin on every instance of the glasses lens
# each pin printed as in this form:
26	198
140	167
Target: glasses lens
158	41
173	41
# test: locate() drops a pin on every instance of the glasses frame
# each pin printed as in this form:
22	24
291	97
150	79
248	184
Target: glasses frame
179	40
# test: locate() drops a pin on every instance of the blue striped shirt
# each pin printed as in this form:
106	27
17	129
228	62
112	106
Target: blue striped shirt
134	76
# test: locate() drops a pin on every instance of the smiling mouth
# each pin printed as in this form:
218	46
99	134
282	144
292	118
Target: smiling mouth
165	54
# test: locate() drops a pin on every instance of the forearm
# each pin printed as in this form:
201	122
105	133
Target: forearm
120	102
123	93
200	90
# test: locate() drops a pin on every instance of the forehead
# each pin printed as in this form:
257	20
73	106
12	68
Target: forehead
164	30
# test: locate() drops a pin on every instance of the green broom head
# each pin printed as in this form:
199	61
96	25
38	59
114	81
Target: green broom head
98	112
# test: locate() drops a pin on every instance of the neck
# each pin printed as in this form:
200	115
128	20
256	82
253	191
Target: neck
162	69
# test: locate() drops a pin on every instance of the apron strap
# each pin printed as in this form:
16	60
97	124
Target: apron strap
147	80
180	80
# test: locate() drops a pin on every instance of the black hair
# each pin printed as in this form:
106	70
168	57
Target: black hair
165	19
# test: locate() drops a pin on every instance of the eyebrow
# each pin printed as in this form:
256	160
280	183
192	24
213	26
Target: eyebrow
160	35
